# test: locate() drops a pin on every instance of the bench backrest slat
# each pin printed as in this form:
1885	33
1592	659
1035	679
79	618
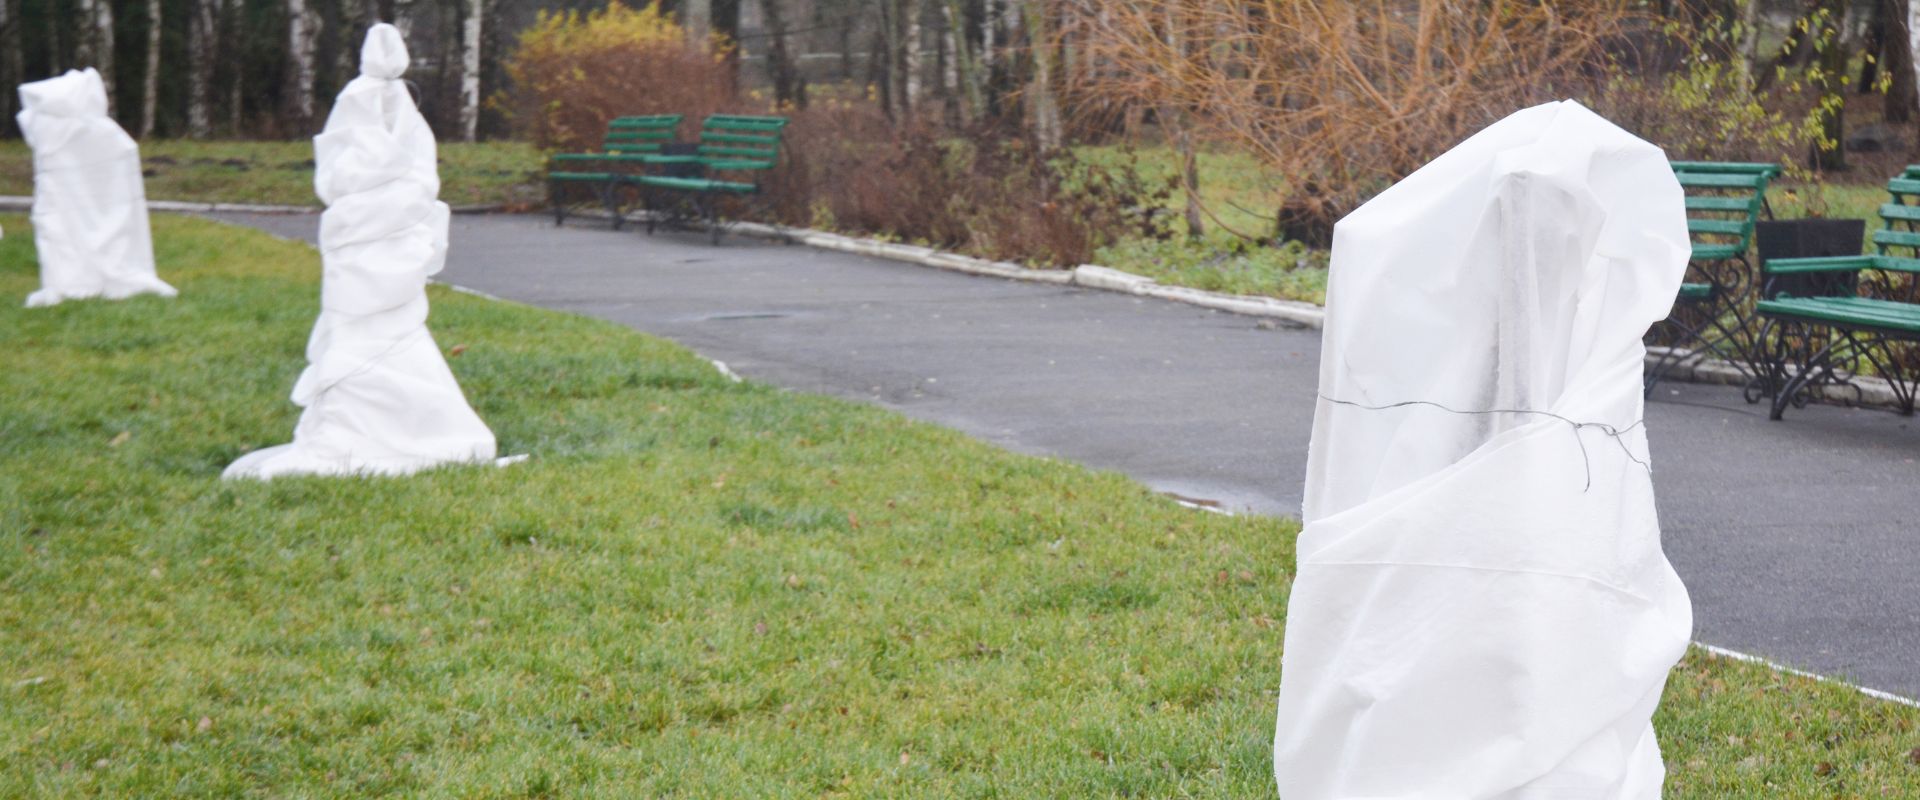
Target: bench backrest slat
742	142
1732	167
644	134
1899	234
1891	238
1724	200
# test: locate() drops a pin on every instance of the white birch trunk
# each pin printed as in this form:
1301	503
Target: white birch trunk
1748	59
402	18
1043	108
696	16
303	35
95	42
910	56
150	80
203	41
470	70
1913	42
950	65
990	34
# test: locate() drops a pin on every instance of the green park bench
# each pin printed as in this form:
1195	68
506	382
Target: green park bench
1825	317
734	153
628	144
1724	201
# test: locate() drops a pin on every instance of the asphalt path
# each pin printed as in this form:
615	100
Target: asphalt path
1799	540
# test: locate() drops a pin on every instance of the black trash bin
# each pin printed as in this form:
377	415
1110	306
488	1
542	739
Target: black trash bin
1808	238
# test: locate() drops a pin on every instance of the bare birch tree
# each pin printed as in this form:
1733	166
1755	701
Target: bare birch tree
303	36
696	16
1042	101
470	70
94	40
150	81
910	55
203	40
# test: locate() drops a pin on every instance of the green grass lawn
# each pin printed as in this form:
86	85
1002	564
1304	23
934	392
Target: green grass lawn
281	173
695	587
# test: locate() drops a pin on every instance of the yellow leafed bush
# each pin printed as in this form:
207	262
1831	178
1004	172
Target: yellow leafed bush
571	73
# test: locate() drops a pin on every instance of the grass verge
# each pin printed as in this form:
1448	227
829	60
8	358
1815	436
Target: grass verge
281	173
695	588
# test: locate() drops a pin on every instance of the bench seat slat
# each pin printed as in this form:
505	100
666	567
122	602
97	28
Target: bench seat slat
1742	205
1845	312
1715	180
1695	291
696	184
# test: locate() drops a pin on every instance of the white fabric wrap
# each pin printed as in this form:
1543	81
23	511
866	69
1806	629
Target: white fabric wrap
1482	608
378	395
89	201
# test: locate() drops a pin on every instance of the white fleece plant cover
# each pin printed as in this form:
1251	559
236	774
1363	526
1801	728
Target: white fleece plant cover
89	201
378	395
1482	608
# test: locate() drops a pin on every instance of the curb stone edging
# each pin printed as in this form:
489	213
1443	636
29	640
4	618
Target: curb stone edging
1091	276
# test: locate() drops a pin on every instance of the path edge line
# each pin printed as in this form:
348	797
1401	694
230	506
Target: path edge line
1088	276
1735	655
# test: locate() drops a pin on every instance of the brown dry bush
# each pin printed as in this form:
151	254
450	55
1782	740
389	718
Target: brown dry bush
984	190
1341	98
572	73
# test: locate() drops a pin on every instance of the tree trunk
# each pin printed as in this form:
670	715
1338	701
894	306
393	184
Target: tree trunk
470	70
10	61
966	62
696	16
356	16
1748	59
94	42
1043	106
150	80
789	87
1913	51
1873	48
1175	119
1902	98
880	60
910	56
203	39
947	64
1793	52
892	92
303	32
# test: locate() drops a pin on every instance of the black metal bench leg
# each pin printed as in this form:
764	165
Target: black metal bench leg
1812	364
609	196
556	197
